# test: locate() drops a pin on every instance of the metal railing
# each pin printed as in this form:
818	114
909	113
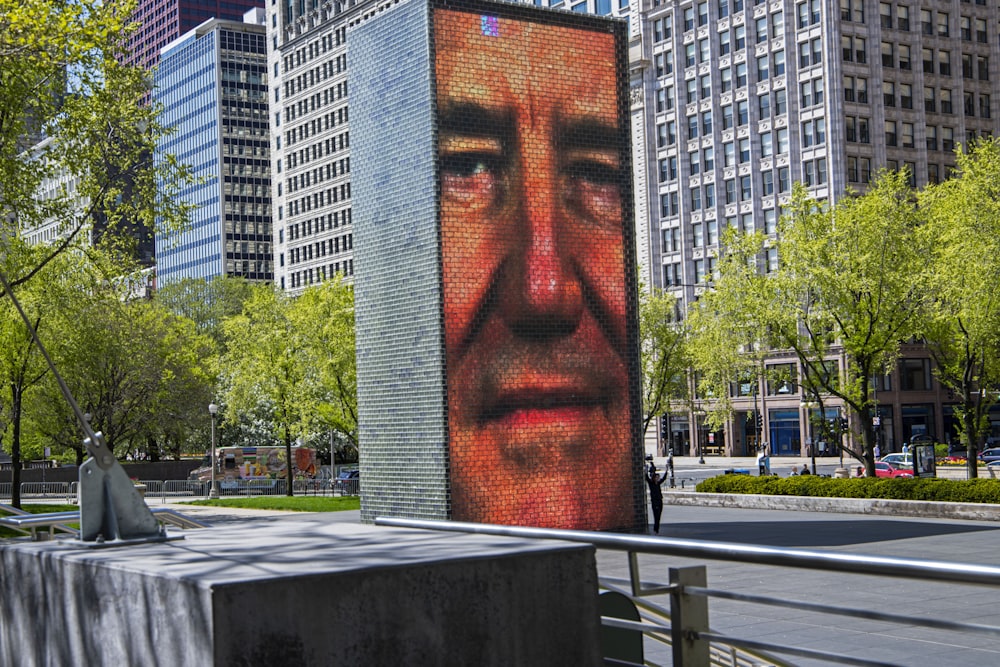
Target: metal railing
166	490
65	522
682	627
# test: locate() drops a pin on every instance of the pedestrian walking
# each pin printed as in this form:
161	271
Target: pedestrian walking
655	481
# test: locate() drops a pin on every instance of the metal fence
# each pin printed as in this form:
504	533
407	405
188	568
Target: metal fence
166	490
678	628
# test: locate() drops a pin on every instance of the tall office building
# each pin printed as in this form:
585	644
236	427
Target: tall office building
743	98
213	84
163	21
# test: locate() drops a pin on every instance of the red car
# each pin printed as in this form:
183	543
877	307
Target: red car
883	469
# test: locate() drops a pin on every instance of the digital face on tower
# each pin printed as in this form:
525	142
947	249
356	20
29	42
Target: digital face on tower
533	184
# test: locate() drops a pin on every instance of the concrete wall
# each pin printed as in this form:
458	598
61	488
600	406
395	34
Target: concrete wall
301	592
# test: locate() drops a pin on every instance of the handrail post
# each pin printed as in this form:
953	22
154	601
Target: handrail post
689	617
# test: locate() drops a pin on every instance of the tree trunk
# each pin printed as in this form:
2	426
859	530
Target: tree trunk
289	463
15	451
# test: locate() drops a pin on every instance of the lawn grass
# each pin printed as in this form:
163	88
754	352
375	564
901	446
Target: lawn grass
36	509
291	504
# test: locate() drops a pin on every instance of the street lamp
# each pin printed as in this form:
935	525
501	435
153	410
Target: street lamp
697	436
213	492
809	405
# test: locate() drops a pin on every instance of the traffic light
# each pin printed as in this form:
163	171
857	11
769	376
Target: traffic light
843	423
760	422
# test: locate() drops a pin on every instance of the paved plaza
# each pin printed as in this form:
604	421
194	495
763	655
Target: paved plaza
928	539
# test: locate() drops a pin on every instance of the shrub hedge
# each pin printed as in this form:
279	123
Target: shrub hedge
944	490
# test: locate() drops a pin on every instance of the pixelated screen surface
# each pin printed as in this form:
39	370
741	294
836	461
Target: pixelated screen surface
539	326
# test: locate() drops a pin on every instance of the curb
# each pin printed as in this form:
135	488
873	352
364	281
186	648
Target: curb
912	508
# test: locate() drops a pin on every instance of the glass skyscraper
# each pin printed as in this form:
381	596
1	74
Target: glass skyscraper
212	84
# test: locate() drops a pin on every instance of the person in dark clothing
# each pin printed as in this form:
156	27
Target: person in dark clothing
655	481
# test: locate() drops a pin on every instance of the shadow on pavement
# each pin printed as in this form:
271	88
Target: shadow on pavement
813	533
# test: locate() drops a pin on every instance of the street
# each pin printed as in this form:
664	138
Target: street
931	539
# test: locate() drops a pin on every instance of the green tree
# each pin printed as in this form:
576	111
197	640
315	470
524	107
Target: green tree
206	302
662	340
62	83
263	365
847	281
129	363
730	333
850	280
324	315
963	327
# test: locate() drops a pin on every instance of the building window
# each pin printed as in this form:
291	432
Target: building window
903	51
741	75
907	135
744	150
889	93
906	96
944	63
942	24
887	59
764	105
784	180
726	79
902	17
813	132
767	181
770	221
740	37
885	14
930	133
766	144
914	374
724	43
745	191
729	152
779	63
947	139
742	113
890	133
762	68
727	117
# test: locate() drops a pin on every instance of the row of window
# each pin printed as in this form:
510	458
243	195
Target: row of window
318	249
318	150
307	53
319	199
320	174
313	127
315	101
307	228
318	274
741	188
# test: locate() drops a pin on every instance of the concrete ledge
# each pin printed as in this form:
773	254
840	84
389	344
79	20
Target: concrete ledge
914	508
301	592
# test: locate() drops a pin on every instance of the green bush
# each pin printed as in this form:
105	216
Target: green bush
942	490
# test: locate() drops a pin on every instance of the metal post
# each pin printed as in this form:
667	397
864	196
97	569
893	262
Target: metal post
213	488
689	617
